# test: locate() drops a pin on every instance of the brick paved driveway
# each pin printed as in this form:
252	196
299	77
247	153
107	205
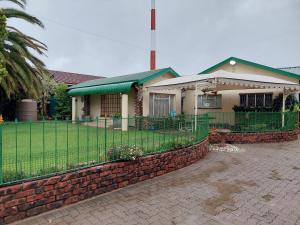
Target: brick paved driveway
258	186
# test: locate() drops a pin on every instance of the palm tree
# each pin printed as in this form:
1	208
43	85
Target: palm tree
21	72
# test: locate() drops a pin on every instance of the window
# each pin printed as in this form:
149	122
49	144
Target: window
161	104
209	101
110	104
258	100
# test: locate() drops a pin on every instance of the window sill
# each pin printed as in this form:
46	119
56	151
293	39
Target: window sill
210	108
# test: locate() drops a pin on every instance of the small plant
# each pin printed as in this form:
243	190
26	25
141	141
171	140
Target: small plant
125	152
9	176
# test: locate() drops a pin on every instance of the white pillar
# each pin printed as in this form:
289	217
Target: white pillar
284	96
196	105
124	110
74	108
297	96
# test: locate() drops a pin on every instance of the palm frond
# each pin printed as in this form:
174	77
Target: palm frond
18	14
21	3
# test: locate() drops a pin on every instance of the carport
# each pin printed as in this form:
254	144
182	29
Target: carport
222	80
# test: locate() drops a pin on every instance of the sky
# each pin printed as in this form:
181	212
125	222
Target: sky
112	37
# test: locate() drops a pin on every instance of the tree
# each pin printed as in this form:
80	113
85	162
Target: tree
48	89
64	101
21	72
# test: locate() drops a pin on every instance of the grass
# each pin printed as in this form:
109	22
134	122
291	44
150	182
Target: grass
34	149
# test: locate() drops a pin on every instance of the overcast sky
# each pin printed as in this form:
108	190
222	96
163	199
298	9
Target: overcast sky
112	37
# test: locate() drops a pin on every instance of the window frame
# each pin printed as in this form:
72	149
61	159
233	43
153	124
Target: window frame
213	107
255	99
163	96
110	105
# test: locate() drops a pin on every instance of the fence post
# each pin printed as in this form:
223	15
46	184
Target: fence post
97	133
105	138
30	147
55	128
16	130
1	153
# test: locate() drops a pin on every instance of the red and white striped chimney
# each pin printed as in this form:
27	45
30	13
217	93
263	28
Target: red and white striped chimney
153	37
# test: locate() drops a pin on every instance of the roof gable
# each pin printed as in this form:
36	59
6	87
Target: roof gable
256	65
139	78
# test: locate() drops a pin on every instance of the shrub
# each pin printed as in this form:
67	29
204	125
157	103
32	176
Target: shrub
64	102
125	152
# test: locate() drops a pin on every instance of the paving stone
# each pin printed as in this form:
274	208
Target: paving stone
260	185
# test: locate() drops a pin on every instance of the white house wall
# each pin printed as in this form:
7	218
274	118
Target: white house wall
95	106
231	98
241	68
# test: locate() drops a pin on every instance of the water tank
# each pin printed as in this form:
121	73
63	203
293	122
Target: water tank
26	110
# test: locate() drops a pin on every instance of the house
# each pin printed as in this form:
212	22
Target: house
70	79
233	82
125	96
251	98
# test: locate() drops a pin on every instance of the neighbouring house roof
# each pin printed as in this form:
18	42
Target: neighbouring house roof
118	84
71	78
293	69
226	81
256	65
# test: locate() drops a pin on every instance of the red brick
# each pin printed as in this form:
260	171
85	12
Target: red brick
23	194
53	180
30	185
123	184
55	205
63	196
6	198
71	200
32	198
61	184
48	188
36	210
11	219
14	202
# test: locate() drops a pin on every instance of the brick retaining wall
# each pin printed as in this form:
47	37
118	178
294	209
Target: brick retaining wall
267	137
34	197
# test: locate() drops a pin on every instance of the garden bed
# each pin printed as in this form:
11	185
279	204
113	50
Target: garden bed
35	197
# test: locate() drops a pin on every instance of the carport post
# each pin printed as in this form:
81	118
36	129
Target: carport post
284	96
124	110
196	105
74	109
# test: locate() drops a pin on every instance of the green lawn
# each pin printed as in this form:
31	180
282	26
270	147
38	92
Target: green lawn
45	147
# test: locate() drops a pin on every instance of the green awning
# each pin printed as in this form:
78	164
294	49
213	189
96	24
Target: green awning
123	87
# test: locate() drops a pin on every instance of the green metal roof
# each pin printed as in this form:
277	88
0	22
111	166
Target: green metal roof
119	84
124	87
256	65
293	69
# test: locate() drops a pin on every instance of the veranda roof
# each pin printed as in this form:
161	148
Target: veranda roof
223	80
118	84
